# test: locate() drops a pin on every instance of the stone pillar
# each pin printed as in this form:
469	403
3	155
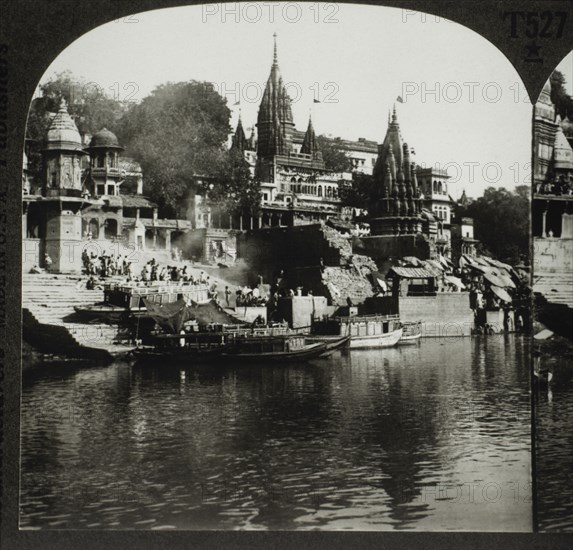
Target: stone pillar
230	221
544	224
24	220
260	221
241	222
567	226
251	217
154	238
167	239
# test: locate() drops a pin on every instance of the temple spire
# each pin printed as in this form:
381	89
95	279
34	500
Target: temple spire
310	144
275	55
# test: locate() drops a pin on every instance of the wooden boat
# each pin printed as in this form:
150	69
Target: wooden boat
333	343
365	331
194	347
270	349
102	310
130	299
217	342
411	333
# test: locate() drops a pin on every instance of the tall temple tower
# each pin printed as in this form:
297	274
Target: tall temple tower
398	205
275	126
544	131
63	193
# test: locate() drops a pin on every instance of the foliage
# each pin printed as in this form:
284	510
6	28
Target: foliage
501	222
559	96
359	192
232	189
178	135
90	107
334	154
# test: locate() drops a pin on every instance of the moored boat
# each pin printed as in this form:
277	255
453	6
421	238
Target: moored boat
270	349
131	299
411	332
333	343
365	331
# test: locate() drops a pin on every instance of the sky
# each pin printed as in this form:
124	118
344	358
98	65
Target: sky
566	67
463	105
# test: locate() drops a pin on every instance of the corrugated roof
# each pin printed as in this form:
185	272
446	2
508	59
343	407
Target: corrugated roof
412	272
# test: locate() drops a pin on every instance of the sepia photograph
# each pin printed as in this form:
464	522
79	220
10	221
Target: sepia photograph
282	274
277	275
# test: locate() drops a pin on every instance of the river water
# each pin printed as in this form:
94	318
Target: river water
435	436
554	446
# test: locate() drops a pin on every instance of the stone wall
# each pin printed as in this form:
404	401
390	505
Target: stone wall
553	269
300	310
444	315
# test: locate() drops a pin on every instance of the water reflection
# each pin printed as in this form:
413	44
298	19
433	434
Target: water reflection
435	436
554	448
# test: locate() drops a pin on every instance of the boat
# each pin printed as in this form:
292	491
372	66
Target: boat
192	347
411	332
365	331
102	311
271	349
124	300
332	342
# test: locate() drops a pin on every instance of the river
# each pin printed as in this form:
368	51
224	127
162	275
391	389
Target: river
435	436
554	443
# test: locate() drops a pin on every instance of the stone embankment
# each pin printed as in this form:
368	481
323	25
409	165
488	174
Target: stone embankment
50	323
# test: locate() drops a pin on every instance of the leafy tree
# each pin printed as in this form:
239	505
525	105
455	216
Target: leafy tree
501	222
178	135
359	192
88	104
559	96
334	154
232	190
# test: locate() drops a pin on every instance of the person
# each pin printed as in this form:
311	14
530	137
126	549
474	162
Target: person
227	295
47	261
90	285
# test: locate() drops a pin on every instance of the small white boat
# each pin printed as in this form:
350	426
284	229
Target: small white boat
411	332
365	331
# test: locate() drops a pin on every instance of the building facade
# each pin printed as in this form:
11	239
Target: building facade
79	203
552	213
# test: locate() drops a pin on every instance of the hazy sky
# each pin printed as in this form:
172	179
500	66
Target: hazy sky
464	105
566	67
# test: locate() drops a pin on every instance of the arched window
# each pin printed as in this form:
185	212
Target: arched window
93	228
320	190
439	187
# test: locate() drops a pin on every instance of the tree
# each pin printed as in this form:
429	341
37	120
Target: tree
88	104
559	96
232	189
334	154
501	222
178	135
359	193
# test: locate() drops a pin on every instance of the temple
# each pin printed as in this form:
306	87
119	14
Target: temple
552	213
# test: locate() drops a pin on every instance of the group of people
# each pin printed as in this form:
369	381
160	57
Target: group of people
248	296
106	264
561	186
152	271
